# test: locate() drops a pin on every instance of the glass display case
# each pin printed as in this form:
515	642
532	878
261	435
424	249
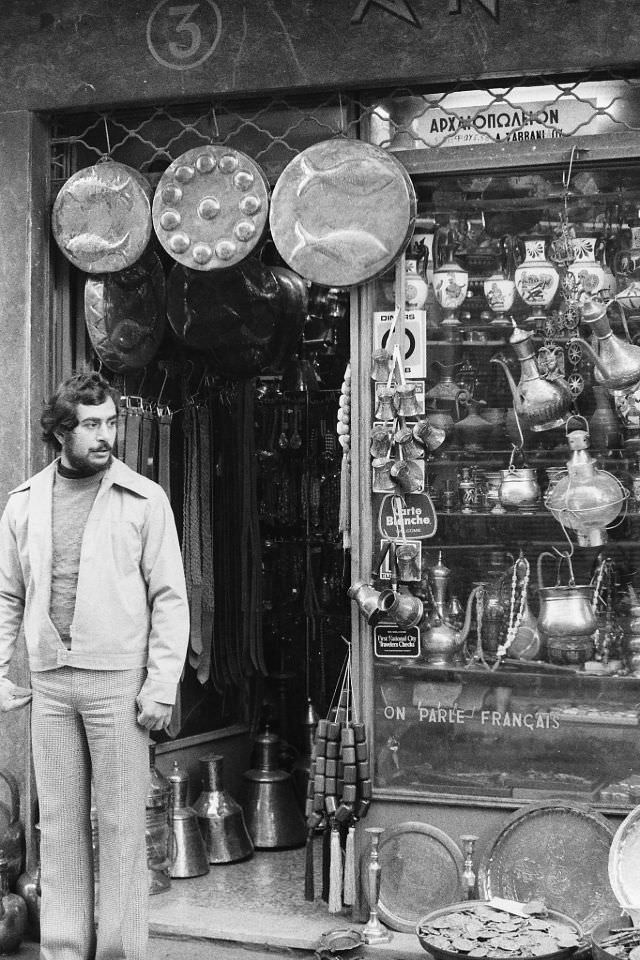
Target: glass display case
505	476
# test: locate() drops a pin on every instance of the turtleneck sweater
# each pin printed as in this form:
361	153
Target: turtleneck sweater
73	498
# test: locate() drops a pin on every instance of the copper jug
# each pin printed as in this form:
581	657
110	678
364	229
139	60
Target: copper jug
617	363
13	913
272	814
12	842
157	834
220	818
541	404
565	611
28	887
189	857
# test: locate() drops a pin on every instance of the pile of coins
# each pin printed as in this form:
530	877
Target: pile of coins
483	931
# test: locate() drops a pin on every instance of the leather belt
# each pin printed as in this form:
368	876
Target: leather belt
147	464
165	418
132	435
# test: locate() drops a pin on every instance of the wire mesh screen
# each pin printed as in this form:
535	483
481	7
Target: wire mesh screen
273	131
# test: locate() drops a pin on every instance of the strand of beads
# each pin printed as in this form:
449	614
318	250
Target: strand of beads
515	619
343	430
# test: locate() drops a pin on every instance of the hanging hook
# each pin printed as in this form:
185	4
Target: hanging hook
164	383
214	132
106	134
566	177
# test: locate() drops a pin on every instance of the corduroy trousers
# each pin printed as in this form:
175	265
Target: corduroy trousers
83	725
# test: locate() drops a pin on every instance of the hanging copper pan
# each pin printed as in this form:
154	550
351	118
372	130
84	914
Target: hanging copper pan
125	314
210	207
236	318
342	212
101	218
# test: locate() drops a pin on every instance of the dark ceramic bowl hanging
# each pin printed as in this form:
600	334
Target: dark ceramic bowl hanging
101	218
238	319
342	212
210	208
125	314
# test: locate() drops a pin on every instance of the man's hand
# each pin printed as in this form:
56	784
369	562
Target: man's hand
153	715
12	697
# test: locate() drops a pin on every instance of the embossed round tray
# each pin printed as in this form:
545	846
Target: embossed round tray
210	207
421	870
624	865
553	851
342	212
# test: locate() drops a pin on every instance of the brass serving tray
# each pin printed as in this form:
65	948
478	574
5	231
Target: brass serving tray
421	869
555	851
624	865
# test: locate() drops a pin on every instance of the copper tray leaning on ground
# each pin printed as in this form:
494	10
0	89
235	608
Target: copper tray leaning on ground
342	212
101	218
556	852
210	207
421	868
565	930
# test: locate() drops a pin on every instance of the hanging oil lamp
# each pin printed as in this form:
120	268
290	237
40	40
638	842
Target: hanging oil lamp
585	499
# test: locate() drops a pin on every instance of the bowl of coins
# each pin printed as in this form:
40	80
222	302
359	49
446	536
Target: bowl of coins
480	929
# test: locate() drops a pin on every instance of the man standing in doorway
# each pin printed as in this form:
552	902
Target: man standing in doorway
90	565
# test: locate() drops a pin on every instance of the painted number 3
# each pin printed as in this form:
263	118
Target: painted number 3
181	36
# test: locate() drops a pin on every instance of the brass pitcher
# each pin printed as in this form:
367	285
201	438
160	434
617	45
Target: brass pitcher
157	834
441	641
189	857
617	363
220	818
28	887
540	404
271	810
565	611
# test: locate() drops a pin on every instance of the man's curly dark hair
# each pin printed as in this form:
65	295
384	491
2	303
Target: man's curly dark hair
60	412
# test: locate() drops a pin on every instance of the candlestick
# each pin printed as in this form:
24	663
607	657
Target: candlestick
468	875
373	931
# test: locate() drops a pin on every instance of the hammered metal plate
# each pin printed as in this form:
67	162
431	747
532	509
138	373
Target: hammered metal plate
210	207
101	218
421	870
624	862
342	212
125	314
554	851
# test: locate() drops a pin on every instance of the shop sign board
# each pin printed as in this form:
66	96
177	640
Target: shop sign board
500	120
416	520
415	325
390	640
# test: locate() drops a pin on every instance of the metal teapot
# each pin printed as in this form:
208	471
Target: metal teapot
617	362
539	403
565	611
442	642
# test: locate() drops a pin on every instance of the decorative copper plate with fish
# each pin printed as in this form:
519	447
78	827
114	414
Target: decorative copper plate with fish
210	207
125	314
342	212
101	217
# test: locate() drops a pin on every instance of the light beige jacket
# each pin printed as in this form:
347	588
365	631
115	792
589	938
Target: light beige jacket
131	605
